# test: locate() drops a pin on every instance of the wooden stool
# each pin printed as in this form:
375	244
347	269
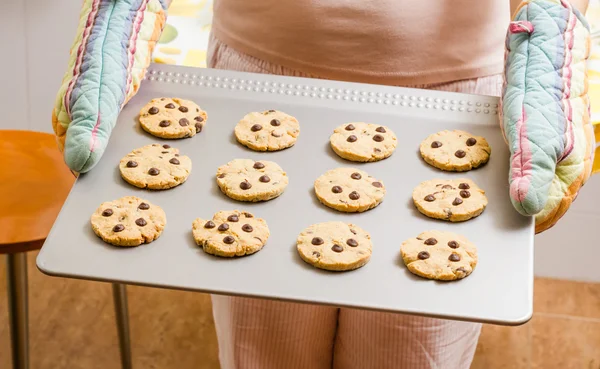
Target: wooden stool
34	183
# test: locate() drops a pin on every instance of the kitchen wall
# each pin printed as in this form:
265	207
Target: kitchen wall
34	47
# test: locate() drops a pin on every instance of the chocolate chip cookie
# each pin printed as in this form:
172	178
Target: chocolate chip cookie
455	151
231	233
336	246
156	167
167	117
269	130
455	200
249	180
363	142
128	221
439	255
349	190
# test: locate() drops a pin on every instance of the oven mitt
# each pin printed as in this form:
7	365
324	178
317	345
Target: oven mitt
546	108
109	57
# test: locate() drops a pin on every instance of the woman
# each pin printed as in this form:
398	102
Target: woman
451	45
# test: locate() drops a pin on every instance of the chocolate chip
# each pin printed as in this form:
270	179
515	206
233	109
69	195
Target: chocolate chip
377	184
164	123
460	154
223	227
170	106
174	161
233	218
464	186
275	122
107	212
245	185
222	175
143	206
271	111
430	241
199	119
247	228
153	171
210	224
166	146
354	195
276	134
132	164
248	215
317	241
378	138
184	122
461	270
350	127
198	127
457	201
423	255
429	198
353	231
119	228
164	152
454	257
258	165
264	179
436	144
453	244
351	138
376	150
356	175
228	240
153	110
317	254
465	194
183	109
380	129
351	242
447	187
336	189
256	128
337	248
471	141
141	222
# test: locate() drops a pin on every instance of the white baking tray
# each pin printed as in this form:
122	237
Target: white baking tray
499	290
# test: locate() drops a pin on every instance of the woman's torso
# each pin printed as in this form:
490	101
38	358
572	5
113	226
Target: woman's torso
400	42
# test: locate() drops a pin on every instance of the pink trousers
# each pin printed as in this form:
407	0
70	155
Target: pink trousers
264	334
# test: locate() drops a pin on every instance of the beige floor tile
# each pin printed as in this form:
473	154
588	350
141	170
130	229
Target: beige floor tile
565	343
502	347
567	297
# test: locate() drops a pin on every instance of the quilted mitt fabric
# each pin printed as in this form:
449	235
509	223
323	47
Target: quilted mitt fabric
109	57
545	108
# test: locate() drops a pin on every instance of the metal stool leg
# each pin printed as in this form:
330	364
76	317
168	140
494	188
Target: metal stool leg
16	268
122	316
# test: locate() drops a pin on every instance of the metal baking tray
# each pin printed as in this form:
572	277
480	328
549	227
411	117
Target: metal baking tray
499	290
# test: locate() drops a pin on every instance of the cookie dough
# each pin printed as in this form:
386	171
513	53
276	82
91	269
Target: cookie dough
171	118
439	255
231	233
156	167
336	246
363	142
455	151
249	180
270	130
128	221
455	200
349	190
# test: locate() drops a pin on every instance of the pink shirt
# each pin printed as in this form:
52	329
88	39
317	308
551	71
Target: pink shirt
397	42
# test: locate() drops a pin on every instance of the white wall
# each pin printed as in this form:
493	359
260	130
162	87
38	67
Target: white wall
34	47
34	50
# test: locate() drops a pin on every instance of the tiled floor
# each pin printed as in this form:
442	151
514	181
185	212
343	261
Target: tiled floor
72	327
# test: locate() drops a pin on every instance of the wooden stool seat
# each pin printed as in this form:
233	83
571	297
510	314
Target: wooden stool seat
34	183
